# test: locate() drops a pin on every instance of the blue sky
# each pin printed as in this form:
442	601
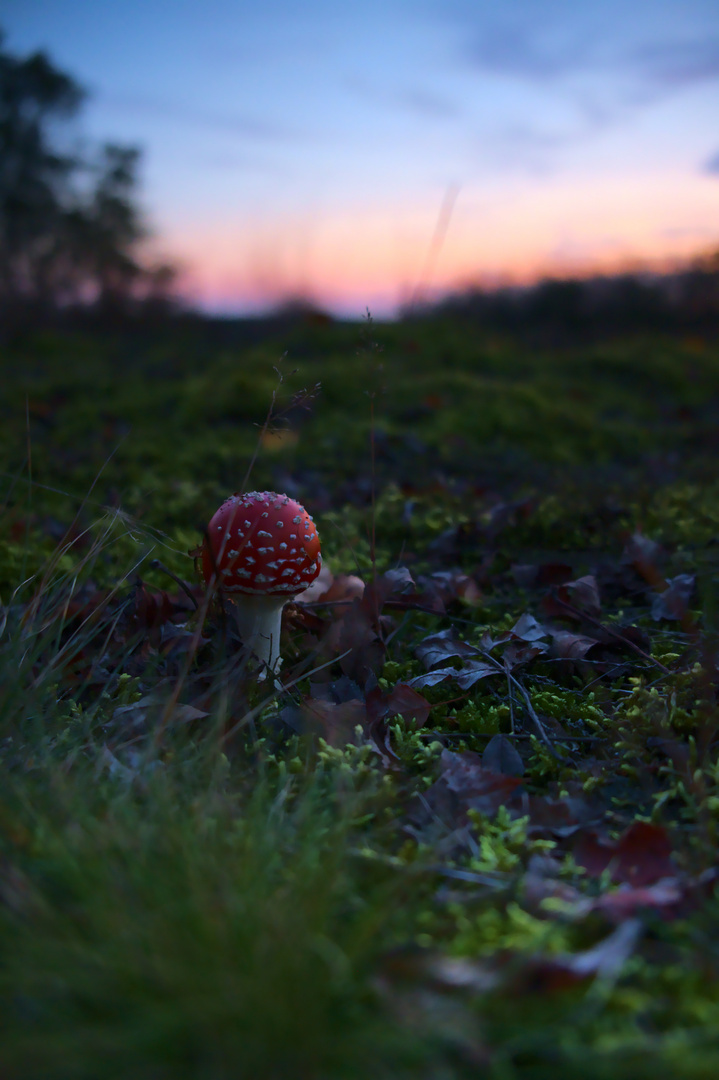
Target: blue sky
310	148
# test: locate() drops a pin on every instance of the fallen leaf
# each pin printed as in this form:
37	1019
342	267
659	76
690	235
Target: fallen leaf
673	602
522	652
465	677
569	646
476	786
442	646
336	723
502	757
641	856
405	702
643	553
528	629
581	596
319	587
608	957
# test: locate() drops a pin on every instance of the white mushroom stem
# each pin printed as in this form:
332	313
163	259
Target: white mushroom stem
259	622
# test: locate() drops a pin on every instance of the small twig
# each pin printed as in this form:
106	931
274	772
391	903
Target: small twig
604	675
532	713
157	565
528	701
439	735
608	629
496	880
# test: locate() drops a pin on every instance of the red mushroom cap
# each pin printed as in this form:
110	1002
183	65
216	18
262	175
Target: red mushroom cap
262	542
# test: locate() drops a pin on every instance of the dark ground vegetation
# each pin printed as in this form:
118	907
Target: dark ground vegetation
476	832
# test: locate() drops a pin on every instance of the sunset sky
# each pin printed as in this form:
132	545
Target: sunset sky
355	153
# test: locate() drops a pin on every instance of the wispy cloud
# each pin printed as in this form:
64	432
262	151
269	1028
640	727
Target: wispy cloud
655	66
712	165
421	101
241	162
241	125
592	75
670	65
523	52
426	104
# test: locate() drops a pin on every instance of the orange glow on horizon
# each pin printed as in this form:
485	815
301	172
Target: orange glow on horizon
374	256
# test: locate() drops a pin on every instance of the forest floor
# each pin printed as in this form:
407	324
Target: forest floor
474	832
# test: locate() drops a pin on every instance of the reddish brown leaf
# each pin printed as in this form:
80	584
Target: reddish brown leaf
336	723
568	646
407	703
319	587
558	817
583	594
521	653
554	573
475	786
328	589
641	856
361	649
644	555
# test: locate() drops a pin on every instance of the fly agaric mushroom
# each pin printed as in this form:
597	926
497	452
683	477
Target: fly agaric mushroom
263	549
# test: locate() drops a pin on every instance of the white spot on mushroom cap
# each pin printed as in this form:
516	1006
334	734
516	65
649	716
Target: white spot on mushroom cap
287	513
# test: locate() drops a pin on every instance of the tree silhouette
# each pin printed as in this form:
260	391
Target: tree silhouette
70	225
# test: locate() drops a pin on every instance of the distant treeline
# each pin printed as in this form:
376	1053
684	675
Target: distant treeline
685	301
71	228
